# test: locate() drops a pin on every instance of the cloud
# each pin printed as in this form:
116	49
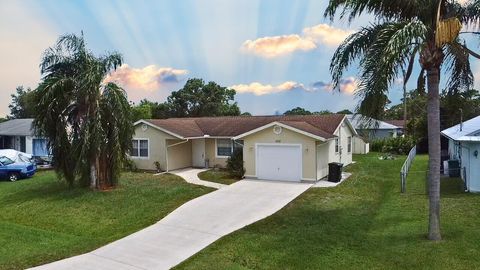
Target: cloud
347	85
149	78
326	34
311	38
259	89
278	45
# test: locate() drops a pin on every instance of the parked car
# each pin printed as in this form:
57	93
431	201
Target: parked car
13	171
16	156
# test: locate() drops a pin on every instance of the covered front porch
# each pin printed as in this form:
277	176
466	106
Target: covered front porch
199	152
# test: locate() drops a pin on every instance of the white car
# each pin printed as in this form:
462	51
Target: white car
16	156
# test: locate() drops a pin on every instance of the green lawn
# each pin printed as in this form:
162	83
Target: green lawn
217	176
41	220
364	223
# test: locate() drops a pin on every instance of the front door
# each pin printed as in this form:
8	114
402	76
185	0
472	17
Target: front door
198	153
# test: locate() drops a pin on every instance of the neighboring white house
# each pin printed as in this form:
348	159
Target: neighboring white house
18	134
360	145
292	148
464	146
372	129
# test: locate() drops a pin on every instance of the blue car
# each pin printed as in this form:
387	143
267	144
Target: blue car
15	170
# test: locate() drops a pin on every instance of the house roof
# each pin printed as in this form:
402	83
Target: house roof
364	122
397	123
17	127
230	126
468	131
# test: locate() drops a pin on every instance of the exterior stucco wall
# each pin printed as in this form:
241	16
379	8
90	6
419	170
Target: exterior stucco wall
210	153
156	147
287	137
343	156
179	154
323	149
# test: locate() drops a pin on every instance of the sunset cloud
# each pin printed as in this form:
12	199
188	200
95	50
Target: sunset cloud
149	78
278	45
259	89
311	38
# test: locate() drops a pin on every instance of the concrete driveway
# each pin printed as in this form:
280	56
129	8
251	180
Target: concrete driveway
190	228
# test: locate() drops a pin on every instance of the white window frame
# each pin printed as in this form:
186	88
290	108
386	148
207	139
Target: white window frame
232	147
148	148
337	145
349	144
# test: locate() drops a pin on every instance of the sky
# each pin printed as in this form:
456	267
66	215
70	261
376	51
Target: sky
275	53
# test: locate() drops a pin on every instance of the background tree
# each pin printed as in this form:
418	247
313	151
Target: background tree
297	111
345	111
197	99
87	122
22	105
141	111
323	112
402	30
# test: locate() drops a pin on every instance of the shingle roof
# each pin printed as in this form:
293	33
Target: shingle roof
470	131
364	122
17	127
230	126
397	123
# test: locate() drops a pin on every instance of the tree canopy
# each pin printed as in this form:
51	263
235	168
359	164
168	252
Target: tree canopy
195	99
22	105
298	111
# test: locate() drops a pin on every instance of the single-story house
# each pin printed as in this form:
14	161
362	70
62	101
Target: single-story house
464	146
372	129
274	147
18	134
400	124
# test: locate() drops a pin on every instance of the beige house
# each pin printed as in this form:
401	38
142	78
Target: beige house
292	148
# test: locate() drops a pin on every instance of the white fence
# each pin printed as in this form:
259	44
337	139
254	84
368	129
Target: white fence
406	167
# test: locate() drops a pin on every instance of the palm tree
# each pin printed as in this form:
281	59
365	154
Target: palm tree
403	31
86	121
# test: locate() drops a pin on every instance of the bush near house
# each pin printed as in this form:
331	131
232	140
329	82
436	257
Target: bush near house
398	145
235	164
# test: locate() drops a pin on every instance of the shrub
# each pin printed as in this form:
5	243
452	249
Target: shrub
129	166
398	145
235	163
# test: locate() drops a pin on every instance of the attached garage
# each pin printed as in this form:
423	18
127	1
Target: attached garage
279	162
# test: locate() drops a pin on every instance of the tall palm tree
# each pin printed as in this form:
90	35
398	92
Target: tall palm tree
86	121
403	31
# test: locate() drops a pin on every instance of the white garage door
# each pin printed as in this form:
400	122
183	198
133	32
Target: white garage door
279	162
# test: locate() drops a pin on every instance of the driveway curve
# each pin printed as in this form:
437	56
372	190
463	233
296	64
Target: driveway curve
190	228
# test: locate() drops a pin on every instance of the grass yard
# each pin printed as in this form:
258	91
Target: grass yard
41	220
364	223
217	176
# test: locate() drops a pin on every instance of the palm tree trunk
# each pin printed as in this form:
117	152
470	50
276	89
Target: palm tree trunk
94	173
433	115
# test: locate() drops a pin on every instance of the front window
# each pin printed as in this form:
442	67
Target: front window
139	148
337	146
225	147
349	147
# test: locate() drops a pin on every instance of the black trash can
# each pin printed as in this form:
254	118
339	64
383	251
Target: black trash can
453	168
335	172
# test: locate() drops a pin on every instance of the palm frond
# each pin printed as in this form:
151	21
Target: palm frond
457	62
